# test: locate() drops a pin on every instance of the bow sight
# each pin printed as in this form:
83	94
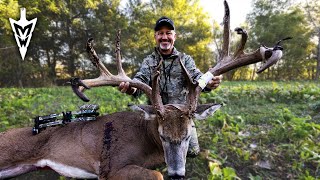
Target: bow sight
87	112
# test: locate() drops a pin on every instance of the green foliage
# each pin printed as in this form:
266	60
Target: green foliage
226	173
19	106
265	130
262	128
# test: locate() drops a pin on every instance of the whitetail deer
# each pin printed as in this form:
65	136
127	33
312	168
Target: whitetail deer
123	145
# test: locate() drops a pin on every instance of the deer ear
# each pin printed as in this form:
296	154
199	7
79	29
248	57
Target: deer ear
205	110
147	111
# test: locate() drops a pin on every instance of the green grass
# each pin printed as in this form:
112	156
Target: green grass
265	130
19	106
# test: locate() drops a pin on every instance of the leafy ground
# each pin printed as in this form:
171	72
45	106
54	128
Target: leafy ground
265	130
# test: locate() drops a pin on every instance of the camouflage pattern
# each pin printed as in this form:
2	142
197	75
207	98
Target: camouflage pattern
172	81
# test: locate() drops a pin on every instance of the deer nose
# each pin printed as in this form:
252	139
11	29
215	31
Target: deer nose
176	177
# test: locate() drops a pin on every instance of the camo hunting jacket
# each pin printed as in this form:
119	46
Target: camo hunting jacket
173	83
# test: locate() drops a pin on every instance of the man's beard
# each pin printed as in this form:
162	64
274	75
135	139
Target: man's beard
165	46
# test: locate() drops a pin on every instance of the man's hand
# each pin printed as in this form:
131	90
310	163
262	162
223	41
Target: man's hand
125	87
214	82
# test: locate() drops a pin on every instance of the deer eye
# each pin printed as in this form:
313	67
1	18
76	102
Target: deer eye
183	116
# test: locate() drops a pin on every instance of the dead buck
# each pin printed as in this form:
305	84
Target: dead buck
124	145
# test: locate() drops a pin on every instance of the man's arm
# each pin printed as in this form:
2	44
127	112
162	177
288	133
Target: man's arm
195	74
143	75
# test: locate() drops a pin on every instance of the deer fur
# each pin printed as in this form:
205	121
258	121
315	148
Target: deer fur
118	145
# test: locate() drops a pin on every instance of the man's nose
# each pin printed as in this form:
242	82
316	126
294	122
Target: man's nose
164	36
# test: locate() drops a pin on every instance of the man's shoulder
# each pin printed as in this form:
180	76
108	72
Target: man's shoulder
151	58
186	58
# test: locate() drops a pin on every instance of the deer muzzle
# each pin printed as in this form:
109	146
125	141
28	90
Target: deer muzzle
175	156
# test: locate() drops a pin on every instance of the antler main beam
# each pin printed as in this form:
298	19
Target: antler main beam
239	59
106	78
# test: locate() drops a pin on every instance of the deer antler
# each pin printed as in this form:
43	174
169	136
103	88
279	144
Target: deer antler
156	98
106	78
239	59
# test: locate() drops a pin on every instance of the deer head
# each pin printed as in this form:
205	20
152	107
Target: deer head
174	121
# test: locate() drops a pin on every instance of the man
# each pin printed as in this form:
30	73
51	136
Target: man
172	81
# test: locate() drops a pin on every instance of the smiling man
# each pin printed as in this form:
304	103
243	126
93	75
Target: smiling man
172	80
165	35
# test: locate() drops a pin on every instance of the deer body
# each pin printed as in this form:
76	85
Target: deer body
78	149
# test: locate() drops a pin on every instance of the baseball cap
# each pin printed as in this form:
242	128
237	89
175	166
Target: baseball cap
164	21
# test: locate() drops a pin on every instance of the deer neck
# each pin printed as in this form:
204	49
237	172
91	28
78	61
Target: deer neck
152	133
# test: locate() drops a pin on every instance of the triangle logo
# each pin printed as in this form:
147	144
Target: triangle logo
22	30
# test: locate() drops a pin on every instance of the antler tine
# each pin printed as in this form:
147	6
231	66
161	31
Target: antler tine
156	99
226	32
240	58
244	37
106	78
194	88
118	54
95	59
192	99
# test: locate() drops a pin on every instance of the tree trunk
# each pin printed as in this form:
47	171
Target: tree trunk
318	57
70	61
20	73
51	66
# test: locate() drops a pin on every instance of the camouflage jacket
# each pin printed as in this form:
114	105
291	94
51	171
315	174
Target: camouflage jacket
172	80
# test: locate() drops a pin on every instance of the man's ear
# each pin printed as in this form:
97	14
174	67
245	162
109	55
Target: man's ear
205	110
146	110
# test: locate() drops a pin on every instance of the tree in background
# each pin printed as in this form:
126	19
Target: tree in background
57	49
312	9
66	26
193	29
137	36
10	70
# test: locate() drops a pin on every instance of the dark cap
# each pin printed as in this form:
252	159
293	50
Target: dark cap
164	21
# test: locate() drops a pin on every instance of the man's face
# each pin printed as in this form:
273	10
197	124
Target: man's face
165	38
